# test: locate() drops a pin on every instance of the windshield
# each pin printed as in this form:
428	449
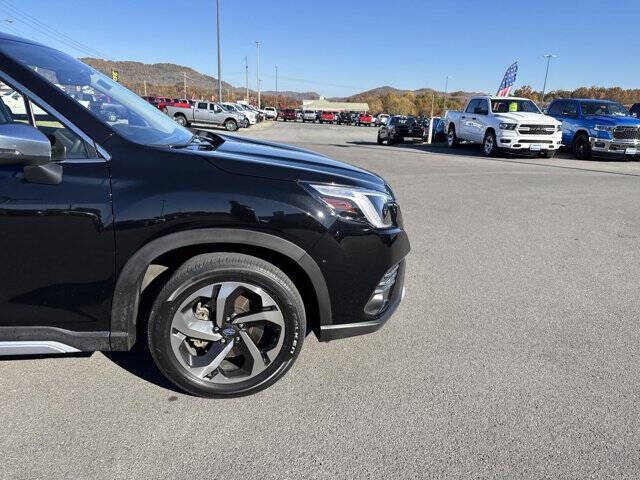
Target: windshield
511	105
124	111
603	108
398	121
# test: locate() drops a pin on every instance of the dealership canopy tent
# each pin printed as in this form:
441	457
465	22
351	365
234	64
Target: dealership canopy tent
328	106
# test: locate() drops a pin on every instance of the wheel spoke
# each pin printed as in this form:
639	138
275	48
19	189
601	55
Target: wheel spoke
272	316
221	301
203	365
252	348
189	326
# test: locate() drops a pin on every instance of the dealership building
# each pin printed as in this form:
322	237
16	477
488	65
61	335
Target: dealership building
325	105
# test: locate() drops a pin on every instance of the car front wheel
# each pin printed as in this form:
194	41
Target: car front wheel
225	325
489	144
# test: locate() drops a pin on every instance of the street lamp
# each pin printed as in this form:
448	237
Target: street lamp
218	28
446	86
258	73
548	56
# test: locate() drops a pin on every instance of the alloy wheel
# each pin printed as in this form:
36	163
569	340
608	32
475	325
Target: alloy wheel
227	332
488	144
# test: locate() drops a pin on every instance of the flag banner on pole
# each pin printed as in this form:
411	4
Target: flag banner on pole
508	80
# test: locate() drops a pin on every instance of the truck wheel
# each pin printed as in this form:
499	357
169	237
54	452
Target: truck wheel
379	140
489	144
231	125
225	325
582	147
452	138
181	119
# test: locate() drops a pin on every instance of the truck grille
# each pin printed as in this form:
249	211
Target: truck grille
536	130
626	133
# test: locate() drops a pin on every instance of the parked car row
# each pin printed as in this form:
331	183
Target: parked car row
400	127
337	118
586	127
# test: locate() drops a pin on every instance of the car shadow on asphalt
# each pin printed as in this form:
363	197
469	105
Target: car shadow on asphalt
138	362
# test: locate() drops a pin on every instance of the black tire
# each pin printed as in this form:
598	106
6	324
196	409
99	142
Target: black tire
489	147
452	138
390	141
181	119
582	147
379	140
231	125
225	267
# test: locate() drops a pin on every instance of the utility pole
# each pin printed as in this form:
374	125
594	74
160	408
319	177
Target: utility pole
185	84
548	56
219	69
258	73
246	76
446	86
145	87
276	87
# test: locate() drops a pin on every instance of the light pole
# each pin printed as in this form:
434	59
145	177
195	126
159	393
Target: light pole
219	69
548	56
276	87
446	86
246	76
258	73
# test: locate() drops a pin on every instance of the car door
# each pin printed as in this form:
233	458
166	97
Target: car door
217	114
201	112
569	121
480	120
57	244
466	121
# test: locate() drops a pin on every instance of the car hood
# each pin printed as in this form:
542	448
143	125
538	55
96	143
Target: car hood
614	120
521	117
284	162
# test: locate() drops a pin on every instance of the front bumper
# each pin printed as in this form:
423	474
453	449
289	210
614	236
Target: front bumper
345	330
513	141
629	147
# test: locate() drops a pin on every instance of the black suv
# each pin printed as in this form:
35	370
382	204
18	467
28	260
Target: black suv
219	253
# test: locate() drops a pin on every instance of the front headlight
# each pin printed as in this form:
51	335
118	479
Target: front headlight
355	203
508	126
604	128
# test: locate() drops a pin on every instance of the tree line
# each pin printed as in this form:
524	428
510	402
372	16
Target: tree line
621	95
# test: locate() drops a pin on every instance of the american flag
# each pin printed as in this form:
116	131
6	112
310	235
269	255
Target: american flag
508	80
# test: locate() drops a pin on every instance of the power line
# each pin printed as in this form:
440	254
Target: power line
50	32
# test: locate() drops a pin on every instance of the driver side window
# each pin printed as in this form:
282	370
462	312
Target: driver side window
65	144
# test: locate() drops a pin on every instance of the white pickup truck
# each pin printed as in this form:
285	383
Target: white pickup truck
504	123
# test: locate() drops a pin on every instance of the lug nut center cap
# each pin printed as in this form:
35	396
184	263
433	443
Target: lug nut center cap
228	331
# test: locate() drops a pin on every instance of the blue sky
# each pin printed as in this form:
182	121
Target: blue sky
338	48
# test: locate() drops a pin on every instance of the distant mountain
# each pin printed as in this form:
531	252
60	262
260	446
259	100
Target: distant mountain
382	91
168	79
294	95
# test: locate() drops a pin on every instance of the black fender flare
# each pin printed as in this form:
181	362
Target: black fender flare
126	298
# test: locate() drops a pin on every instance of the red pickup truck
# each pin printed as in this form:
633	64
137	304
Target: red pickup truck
327	117
366	119
161	102
287	114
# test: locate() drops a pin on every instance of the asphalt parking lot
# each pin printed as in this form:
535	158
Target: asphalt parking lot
514	354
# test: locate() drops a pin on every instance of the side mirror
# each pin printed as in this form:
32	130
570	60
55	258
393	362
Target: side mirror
22	144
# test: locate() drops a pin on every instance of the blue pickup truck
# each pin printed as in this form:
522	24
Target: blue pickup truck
597	127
